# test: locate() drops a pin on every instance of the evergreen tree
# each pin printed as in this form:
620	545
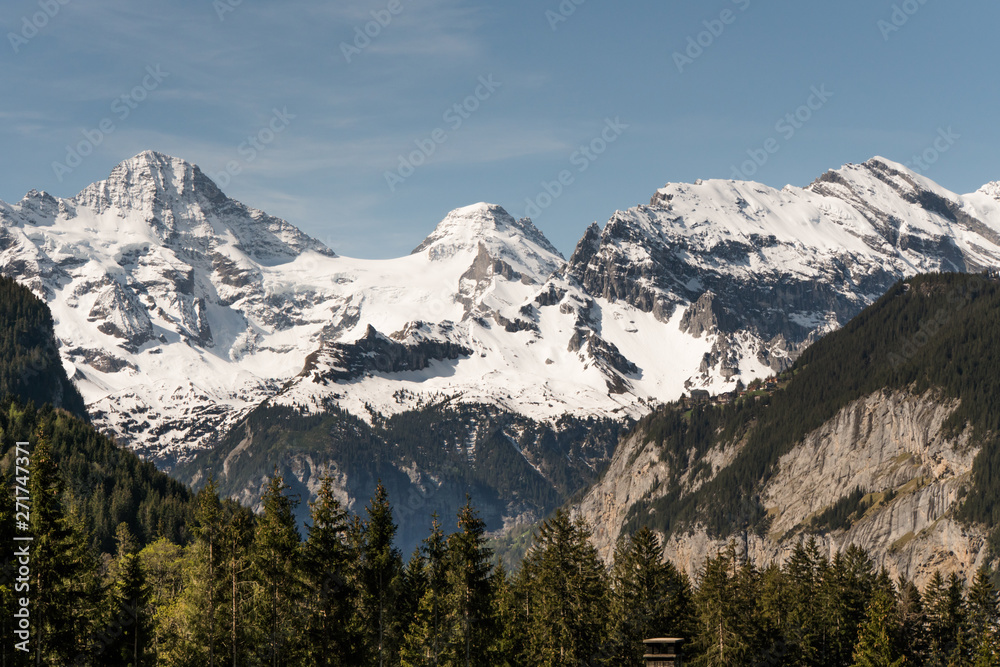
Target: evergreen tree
566	595
845	590
726	608
277	573
8	655
428	636
649	597
944	606
64	586
380	568
236	544
329	627
910	610
878	643
207	529
127	604
470	612
508	640
983	611
802	625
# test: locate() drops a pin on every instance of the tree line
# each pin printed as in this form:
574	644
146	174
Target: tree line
250	589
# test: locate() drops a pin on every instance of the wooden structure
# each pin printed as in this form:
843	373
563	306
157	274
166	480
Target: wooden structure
663	652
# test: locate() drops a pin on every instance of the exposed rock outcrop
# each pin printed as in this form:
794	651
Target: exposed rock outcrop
893	442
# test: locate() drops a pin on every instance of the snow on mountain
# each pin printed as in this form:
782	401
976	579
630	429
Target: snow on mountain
768	270
179	309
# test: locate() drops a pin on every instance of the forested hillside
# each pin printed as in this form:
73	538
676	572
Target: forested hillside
428	459
255	591
104	484
932	333
30	367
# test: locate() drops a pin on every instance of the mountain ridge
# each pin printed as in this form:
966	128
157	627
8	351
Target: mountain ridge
179	312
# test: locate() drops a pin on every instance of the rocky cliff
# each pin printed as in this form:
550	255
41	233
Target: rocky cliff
892	444
881	436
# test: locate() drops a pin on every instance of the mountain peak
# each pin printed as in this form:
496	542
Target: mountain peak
470	229
465	227
148	178
991	190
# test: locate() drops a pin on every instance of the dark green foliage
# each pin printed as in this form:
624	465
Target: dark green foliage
843	513
30	367
380	566
649	597
63	584
566	596
277	571
330	625
469	602
880	642
107	485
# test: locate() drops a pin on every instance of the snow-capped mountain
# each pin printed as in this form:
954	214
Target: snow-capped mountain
178	309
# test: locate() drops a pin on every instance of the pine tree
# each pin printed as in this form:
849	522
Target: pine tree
509	636
64	584
277	573
845	590
330	626
7	575
878	643
726	610
983	612
566	595
380	568
649	597
470	613
803	628
427	636
236	543
912	621
944	607
207	528
127	604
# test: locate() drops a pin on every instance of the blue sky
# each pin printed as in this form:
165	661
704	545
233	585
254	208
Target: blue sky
226	70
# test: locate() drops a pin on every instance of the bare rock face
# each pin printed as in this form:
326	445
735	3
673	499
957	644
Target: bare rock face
891	445
122	315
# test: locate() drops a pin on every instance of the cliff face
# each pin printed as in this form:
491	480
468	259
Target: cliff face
891	445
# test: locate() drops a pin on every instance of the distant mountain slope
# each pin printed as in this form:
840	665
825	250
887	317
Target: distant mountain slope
105	483
179	310
517	470
885	434
30	366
